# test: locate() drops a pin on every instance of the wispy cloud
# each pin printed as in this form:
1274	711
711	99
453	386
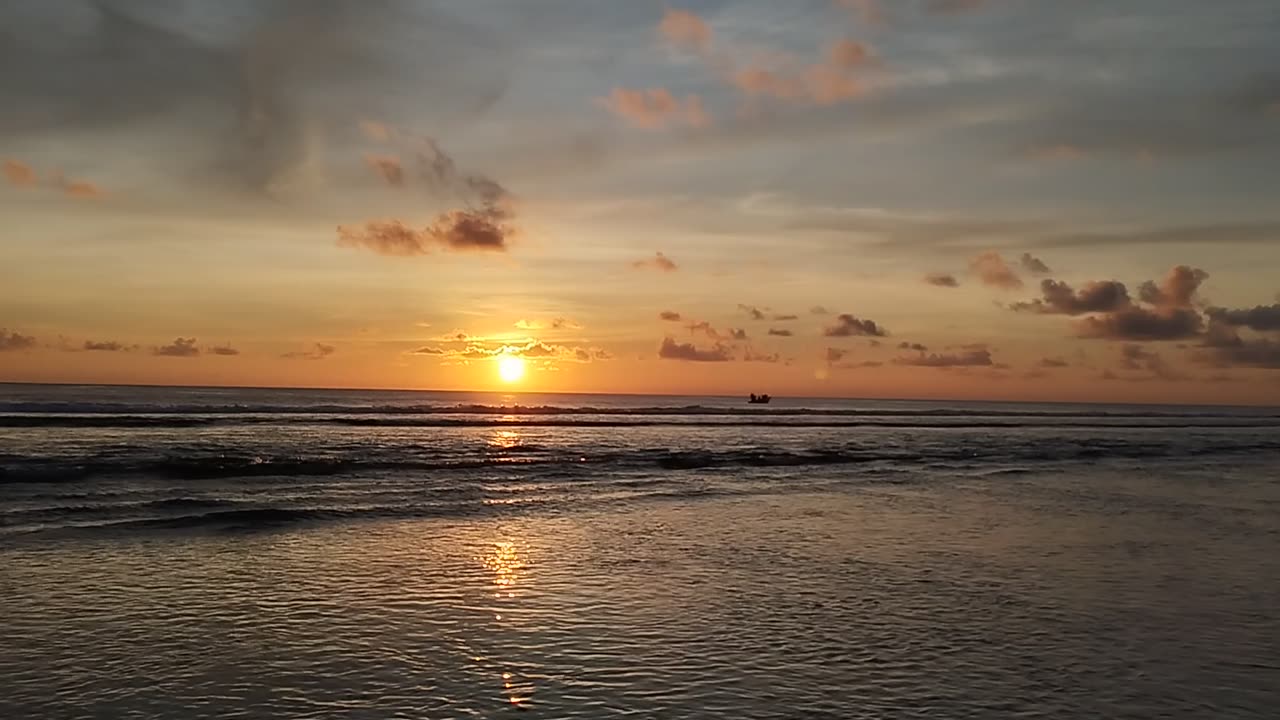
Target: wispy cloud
13	341
656	108
20	174
658	262
318	351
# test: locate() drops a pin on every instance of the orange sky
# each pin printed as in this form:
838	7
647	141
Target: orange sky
845	199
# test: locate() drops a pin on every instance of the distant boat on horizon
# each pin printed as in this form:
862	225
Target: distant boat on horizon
758	399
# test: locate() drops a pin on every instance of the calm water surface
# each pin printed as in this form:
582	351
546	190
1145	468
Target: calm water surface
195	553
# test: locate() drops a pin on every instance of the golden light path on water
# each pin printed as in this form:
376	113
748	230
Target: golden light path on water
505	561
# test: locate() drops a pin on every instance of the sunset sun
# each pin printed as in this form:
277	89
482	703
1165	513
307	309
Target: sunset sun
510	368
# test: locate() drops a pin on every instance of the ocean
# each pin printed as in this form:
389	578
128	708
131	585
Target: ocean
254	553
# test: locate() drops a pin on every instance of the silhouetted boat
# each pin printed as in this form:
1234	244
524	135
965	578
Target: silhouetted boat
758	399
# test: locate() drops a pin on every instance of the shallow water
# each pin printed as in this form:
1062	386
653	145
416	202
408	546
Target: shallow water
746	572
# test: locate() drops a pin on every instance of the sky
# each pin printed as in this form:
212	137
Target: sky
969	199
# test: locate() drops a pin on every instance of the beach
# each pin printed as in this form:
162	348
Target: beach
240	553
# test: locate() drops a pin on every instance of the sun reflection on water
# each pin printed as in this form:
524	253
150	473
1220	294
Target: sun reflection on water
505	561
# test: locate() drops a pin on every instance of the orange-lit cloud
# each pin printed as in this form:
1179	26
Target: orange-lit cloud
387	167
685	30
377	131
1177	290
658	262
832	80
992	270
656	108
20	173
456	230
80	188
107	346
559	323
531	349
847	325
688	352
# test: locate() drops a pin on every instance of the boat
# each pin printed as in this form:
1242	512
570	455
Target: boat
758	399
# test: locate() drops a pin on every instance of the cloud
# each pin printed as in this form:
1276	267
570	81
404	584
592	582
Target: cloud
780	332
912	346
819	310
1142	324
785	317
319	351
1170	317
704	327
753	311
849	326
12	341
1060	299
750	355
942	280
685	30
968	358
1261	318
377	131
20	174
107	346
387	167
737	334
1177	290
1261	353
79	188
1033	264
531	349
992	270
672	350
832	80
180	348
835	355
1053	362
558	323
658	262
1136	357
456	231
656	108
225	350
669	316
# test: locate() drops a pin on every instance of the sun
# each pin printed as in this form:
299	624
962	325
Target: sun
510	368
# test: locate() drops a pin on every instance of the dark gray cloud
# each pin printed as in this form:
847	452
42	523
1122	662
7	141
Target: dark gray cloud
847	325
107	346
12	341
1058	298
179	348
1177	290
1142	324
672	350
669	316
1261	353
780	332
966	358
319	351
1033	264
248	82
1262	318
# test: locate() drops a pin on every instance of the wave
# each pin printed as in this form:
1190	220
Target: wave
623	420
568	461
